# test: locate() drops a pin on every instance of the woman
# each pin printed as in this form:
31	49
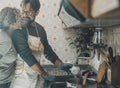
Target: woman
11	66
8	21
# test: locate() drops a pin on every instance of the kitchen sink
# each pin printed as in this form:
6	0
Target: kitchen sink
64	80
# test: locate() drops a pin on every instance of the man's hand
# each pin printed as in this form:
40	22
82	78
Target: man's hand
66	67
49	77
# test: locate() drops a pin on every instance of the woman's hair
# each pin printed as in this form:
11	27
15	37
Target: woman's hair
35	4
8	16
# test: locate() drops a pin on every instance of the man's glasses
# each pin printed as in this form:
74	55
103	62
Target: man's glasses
29	13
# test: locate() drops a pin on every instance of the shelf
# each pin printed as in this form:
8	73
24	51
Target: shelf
97	23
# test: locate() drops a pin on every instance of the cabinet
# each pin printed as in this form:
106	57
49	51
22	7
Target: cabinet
80	13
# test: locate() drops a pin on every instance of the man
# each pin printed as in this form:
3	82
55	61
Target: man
8	54
33	30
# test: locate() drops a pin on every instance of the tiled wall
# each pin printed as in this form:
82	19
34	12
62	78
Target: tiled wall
113	34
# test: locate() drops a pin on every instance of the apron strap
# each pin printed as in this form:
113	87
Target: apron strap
35	29
27	31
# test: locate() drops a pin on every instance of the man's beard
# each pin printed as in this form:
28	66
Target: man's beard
25	21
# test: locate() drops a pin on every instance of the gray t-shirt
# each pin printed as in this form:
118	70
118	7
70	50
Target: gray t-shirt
8	57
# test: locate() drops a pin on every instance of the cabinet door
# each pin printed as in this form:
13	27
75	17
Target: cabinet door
99	7
82	6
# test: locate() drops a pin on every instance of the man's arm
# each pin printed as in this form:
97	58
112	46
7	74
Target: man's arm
49	53
22	48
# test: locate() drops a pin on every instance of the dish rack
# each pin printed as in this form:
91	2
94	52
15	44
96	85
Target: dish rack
54	70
